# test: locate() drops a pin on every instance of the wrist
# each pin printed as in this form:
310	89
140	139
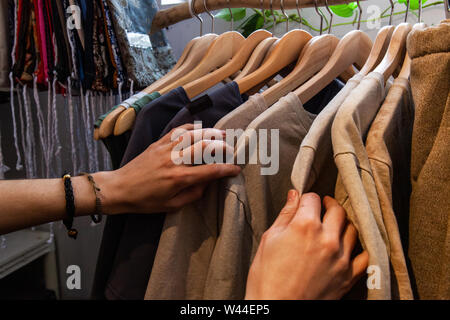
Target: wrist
110	192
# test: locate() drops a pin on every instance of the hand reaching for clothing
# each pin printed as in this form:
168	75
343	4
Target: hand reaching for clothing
302	257
150	183
153	182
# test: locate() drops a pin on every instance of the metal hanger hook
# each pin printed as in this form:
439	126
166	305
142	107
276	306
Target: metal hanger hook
299	14
321	16
209	14
284	14
331	16
231	15
420	11
392	12
273	15
360	14
263	12
197	16
407	10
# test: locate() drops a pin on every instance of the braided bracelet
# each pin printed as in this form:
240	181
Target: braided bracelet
70	207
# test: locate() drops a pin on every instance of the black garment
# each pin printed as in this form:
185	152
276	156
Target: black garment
139	239
210	108
150	122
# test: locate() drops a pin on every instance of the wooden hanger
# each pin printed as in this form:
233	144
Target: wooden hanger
395	52
107	126
216	56
123	119
238	61
313	57
287	50
353	49
219	53
257	57
379	49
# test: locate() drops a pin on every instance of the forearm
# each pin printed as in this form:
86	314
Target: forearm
25	203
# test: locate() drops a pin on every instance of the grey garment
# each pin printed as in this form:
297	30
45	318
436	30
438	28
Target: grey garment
355	187
187	245
5	55
206	248
145	58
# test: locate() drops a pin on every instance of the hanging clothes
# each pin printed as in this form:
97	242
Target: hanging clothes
388	148
429	224
146	59
141	234
355	189
206	248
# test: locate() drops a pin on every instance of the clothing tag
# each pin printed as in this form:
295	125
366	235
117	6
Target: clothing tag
139	40
200	104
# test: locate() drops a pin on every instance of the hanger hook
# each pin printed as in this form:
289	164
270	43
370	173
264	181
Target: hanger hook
273	15
420	11
392	12
209	14
231	15
284	14
407	10
192	3
321	16
331	16
360	14
299	14
263	12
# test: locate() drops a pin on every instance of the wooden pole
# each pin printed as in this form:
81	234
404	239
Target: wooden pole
167	17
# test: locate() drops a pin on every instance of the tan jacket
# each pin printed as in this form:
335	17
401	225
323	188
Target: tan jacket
388	147
355	188
429	228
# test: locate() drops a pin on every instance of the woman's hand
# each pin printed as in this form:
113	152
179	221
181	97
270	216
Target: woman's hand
302	257
152	182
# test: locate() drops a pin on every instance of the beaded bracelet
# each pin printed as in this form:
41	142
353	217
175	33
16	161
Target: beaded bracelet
70	207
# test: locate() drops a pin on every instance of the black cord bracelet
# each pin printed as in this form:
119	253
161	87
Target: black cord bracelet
70	207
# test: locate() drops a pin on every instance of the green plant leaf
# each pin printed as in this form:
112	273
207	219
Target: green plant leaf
344	10
413	4
238	14
254	22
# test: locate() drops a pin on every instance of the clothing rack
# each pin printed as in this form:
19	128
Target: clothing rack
167	17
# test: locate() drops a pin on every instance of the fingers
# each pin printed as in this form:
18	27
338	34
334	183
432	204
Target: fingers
182	140
335	219
349	240
359	266
208	172
309	210
206	151
289	210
